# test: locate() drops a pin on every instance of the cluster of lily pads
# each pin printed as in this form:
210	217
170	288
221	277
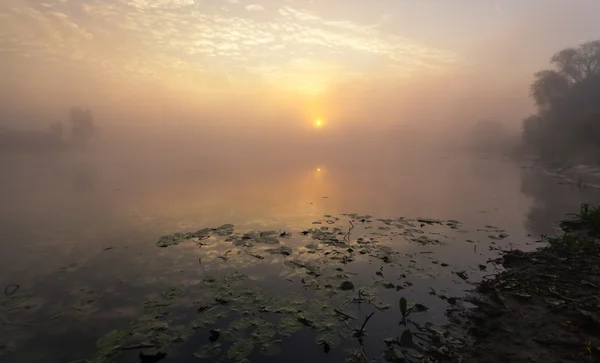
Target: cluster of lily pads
236	318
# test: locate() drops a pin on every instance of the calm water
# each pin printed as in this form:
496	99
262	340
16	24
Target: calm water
79	234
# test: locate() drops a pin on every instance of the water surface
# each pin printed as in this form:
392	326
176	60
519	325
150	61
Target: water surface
79	235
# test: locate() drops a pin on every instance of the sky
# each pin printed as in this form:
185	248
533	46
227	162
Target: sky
248	61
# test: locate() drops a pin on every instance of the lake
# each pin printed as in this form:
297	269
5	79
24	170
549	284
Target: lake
273	262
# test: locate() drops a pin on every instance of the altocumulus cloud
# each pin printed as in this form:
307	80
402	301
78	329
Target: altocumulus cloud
156	38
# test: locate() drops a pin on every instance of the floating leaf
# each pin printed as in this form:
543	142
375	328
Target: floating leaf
224	230
394	355
16	301
346	285
271	349
208	351
240	349
282	250
288	325
111	339
388	285
419	308
327	339
208	317
263	332
172	293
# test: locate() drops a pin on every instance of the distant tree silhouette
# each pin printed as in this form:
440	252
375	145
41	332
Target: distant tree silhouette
82	125
567	124
58	130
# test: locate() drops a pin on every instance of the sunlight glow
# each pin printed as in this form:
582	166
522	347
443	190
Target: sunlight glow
318	123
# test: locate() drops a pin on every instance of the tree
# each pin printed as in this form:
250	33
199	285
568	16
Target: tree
578	64
82	125
567	124
549	85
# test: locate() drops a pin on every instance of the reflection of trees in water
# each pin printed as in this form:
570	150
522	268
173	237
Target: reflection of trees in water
552	201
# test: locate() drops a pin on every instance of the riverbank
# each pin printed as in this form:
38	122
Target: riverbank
544	306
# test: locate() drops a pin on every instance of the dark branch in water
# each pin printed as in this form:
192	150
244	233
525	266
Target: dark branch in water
360	333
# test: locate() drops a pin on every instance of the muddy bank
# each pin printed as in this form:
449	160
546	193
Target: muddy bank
544	306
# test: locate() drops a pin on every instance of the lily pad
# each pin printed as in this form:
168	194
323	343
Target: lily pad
112	339
16	302
240	349
224	230
263	333
271	349
346	285
208	351
170	240
282	250
394	355
288	325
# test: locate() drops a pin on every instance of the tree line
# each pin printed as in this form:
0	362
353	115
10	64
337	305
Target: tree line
566	126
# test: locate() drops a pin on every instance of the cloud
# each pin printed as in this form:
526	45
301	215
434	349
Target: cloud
164	39
255	7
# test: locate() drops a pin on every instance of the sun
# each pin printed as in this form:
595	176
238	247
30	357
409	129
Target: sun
318	123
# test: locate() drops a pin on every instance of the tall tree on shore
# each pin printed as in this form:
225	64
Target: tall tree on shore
568	101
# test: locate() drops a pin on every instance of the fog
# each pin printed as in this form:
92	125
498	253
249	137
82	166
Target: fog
454	74
383	89
453	129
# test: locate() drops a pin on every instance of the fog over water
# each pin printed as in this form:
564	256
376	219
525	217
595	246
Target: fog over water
124	121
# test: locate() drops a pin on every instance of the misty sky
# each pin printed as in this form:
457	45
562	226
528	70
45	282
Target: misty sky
330	59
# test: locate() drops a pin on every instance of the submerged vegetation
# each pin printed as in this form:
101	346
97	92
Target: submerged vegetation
341	289
335	282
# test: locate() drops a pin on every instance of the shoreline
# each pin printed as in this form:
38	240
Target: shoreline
543	307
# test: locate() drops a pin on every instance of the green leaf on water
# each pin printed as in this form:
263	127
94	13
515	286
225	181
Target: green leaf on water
282	250
208	351
208	318
419	308
111	339
394	355
172	293
288	325
263	332
271	349
240	349
15	301
327	338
